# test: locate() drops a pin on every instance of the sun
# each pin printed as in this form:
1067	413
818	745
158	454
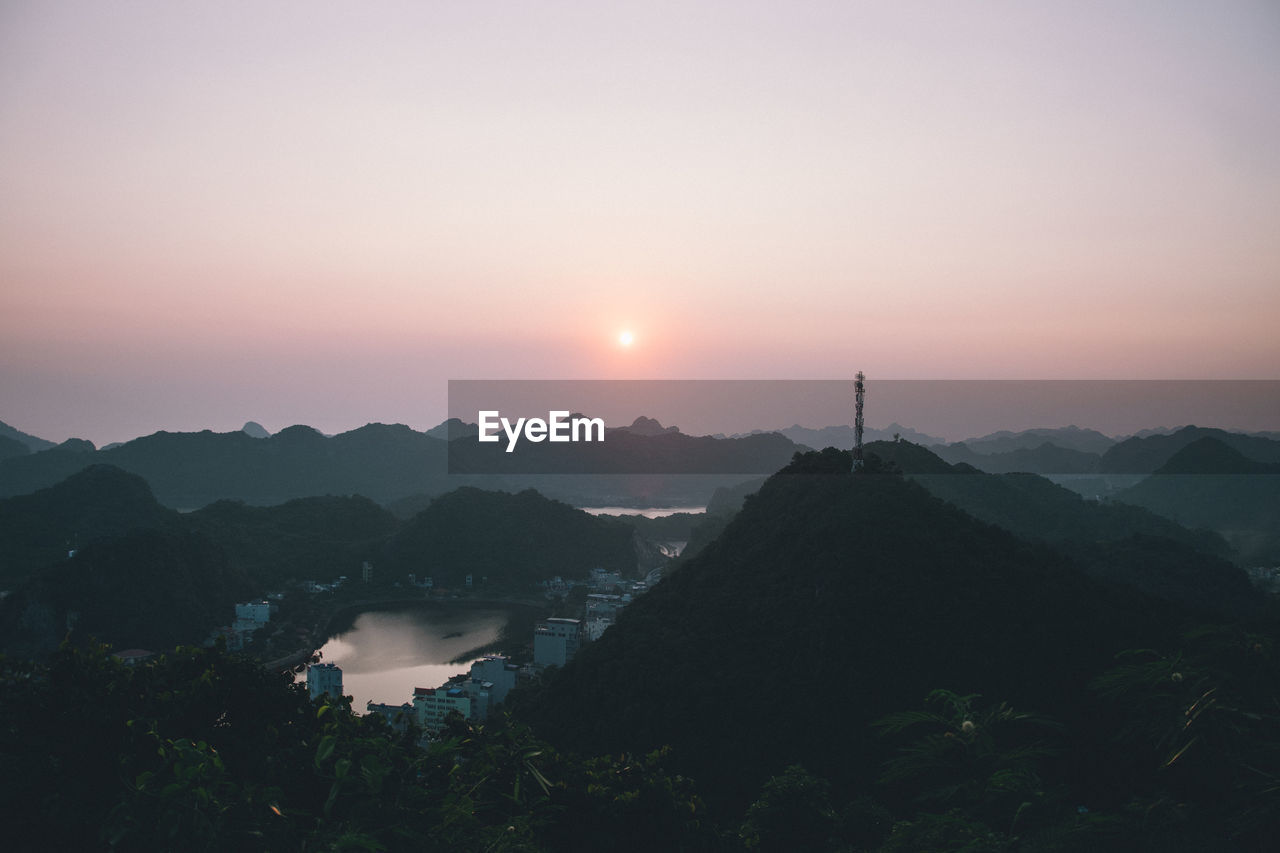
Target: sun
626	339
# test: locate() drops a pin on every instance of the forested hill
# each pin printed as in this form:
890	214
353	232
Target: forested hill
143	575
829	600
1209	483
1148	454
508	538
1033	507
97	503
1114	542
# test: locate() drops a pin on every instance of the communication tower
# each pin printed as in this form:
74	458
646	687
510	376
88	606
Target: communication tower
859	392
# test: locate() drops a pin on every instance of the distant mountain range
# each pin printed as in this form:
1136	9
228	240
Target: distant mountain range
390	463
644	463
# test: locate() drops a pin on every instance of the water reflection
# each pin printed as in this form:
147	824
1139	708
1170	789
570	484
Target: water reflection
385	654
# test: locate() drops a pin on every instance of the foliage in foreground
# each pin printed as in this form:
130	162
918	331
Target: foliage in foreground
206	751
201	750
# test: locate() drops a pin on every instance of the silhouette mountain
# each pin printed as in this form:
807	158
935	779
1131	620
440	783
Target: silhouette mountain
1037	510
834	598
1147	455
648	426
152	589
12	447
100	502
390	463
626	452
1046	458
305	538
189	470
1069	438
1211	484
33	443
508	538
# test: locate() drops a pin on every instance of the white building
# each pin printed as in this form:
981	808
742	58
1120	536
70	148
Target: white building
324	678
432	706
555	641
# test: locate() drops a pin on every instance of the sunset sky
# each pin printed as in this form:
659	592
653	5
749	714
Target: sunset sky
321	212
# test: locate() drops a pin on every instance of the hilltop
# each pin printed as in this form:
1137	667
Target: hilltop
835	598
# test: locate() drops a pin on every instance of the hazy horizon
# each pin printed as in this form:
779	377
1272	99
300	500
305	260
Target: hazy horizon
952	410
317	213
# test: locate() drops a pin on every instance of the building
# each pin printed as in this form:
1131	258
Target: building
324	678
398	716
499	674
254	612
431	707
604	581
556	641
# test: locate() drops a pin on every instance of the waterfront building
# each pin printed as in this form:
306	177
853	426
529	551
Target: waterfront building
399	716
556	641
324	678
494	676
432	706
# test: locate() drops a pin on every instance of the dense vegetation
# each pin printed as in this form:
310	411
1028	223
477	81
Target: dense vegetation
151	589
201	750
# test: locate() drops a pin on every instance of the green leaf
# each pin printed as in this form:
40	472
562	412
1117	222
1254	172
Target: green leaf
325	749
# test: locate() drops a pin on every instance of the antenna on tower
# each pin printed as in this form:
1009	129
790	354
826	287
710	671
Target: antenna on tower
859	392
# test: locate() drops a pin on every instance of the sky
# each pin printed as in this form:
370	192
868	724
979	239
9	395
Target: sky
322	212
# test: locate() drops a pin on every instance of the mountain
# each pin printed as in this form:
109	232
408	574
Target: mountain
97	503
511	539
1213	456
149	589
33	443
1133	538
193	469
12	447
1209	483
830	600
626	452
843	435
253	429
389	463
1046	458
453	428
1037	510
648	426
1070	438
317	538
1146	455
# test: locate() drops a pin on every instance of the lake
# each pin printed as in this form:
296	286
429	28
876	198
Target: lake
387	653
